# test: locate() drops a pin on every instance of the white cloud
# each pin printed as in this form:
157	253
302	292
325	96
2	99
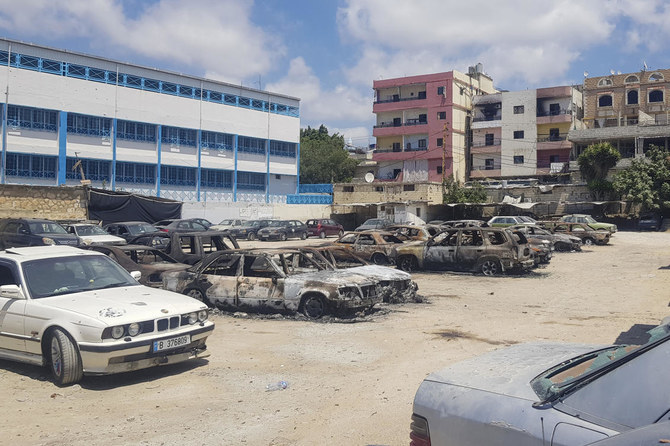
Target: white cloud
318	105
211	36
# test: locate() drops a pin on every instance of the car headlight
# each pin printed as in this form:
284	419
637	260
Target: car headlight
48	241
133	329
117	332
203	315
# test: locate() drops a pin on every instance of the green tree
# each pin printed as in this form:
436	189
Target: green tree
594	164
453	192
323	158
647	180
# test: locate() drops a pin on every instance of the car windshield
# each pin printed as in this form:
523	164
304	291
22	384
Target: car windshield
142	229
226	222
589	219
254	223
527	219
46	227
556	381
66	275
278	223
90	230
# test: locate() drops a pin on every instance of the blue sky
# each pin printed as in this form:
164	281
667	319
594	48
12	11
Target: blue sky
328	52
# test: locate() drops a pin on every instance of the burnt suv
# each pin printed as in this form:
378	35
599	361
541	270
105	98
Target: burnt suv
490	251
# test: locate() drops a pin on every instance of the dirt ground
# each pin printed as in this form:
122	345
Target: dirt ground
349	383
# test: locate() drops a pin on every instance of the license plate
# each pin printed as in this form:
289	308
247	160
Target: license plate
167	344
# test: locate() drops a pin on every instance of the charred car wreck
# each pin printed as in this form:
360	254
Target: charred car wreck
276	280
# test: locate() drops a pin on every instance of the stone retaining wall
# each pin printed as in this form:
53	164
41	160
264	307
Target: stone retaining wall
52	203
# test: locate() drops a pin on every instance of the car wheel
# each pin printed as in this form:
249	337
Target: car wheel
340	233
407	264
313	307
322	234
251	236
64	359
589	241
282	237
379	259
490	267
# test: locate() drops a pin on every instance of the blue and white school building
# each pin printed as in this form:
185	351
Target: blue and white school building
143	130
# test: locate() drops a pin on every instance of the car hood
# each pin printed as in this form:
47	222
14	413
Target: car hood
116	306
69	239
98	239
508	371
380	272
340	277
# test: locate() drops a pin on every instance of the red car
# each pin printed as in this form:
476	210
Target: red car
323	227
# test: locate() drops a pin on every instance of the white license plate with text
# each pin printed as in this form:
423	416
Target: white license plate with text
167	344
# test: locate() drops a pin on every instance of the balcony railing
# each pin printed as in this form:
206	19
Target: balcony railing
495	117
408	122
416	122
562	111
495	166
399	149
494	142
550	138
421	96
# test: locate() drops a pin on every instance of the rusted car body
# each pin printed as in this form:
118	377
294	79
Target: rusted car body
376	246
395	286
151	262
409	232
490	251
587	234
191	247
561	242
274	280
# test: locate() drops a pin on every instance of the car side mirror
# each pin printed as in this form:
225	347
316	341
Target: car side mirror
136	275
11	292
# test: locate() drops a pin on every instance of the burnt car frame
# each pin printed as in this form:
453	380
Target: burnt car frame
150	262
191	247
274	280
376	246
490	251
561	242
586	233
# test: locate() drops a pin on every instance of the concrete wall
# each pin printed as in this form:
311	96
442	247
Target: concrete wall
52	203
382	192
525	122
217	211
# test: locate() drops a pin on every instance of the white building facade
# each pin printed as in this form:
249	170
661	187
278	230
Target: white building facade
143	130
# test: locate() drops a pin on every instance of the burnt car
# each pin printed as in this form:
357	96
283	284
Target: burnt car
464	224
180	225
274	280
547	393
323	227
490	251
283	230
395	286
561	242
586	233
20	232
410	232
151	262
191	247
374	223
376	246
138	233
249	229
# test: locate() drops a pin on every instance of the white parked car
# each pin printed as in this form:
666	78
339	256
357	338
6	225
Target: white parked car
79	312
94	234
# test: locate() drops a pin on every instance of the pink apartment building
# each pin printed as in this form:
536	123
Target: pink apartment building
422	123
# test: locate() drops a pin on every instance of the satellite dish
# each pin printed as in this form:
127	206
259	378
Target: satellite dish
369	177
612	72
586	73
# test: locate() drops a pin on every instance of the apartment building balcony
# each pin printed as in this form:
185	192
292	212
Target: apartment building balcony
485	172
552	168
657	126
409	127
485	122
491	146
554	116
408	152
557	141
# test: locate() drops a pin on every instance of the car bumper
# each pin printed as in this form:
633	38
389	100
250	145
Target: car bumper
518	265
121	356
356	304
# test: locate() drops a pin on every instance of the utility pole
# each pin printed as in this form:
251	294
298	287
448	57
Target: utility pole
444	150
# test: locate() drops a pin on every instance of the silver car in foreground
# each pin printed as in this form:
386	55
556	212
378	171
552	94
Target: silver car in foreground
545	394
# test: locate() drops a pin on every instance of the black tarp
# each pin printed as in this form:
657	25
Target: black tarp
112	207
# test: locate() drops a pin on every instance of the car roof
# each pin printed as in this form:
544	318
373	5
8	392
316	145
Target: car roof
42	252
128	223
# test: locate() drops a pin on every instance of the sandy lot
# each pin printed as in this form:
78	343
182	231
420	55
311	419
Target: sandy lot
349	383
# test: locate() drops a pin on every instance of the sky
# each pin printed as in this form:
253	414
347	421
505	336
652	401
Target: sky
328	52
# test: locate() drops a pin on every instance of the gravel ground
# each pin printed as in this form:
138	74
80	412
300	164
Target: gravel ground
349	382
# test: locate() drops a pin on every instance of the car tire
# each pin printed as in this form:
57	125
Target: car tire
490	267
313	306
64	359
340	233
588	241
282	237
251	236
303	236
379	259
407	264
322	234
197	295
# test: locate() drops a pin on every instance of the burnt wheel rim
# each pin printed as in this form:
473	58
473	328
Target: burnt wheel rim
588	241
196	294
490	268
379	259
313	307
406	264
56	357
